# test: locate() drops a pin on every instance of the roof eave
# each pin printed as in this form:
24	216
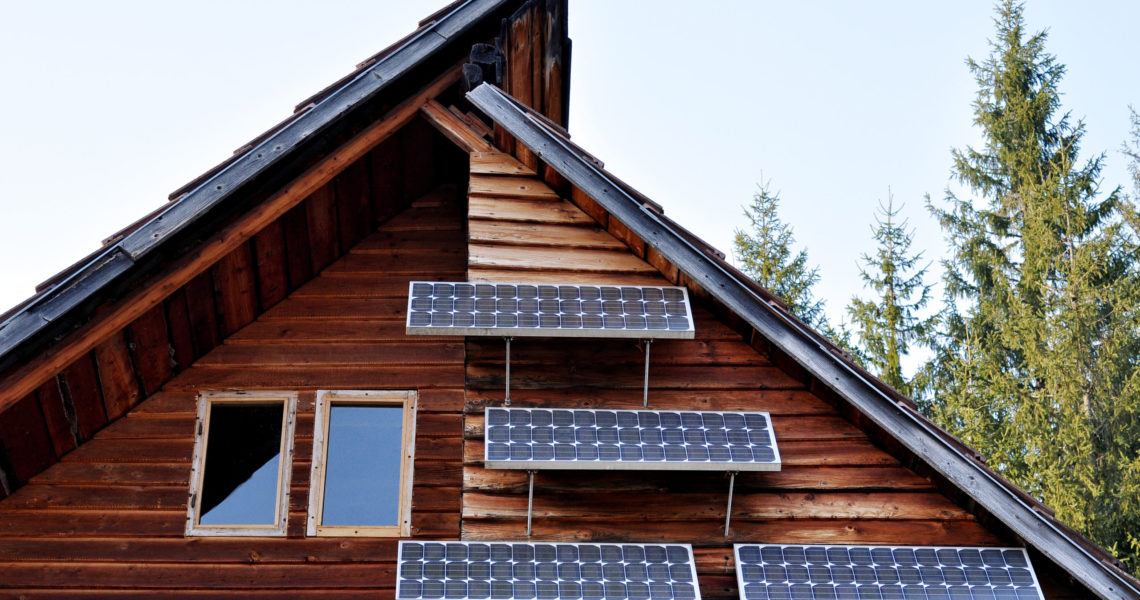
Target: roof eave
798	342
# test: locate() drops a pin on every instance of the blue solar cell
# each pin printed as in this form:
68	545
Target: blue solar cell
768	572
572	439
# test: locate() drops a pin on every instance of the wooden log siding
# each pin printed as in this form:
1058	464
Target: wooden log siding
108	520
836	486
134	362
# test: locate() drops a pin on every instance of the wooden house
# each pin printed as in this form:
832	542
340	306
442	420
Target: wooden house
215	347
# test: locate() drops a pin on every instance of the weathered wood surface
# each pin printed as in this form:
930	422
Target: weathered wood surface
108	520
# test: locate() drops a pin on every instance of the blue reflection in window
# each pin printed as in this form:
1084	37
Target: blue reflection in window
362	466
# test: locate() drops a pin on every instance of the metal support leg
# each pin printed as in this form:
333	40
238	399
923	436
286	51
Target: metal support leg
507	401
530	503
728	511
645	392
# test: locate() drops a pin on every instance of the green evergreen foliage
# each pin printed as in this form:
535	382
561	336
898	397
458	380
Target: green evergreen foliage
888	324
1131	149
1037	363
764	252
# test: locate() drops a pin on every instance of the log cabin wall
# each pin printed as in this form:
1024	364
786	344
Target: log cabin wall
108	520
134	362
838	484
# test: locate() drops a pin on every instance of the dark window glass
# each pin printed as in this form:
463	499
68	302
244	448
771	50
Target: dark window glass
362	466
243	454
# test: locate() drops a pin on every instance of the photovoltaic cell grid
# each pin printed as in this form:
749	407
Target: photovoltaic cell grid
548	310
469	570
780	572
542	438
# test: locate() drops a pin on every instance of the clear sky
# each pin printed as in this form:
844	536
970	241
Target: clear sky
110	106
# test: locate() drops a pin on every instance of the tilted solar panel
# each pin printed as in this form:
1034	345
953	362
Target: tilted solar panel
545	438
518	570
792	572
548	310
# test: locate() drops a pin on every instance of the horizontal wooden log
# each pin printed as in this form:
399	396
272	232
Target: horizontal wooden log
477	273
103	496
497	163
189	594
426	218
159	576
387	241
436	499
320	308
410	351
528	211
454	128
540	259
97	522
629	352
776	402
711	532
541	235
202	550
522	188
391	264
788	478
287	378
706	504
490	375
77	473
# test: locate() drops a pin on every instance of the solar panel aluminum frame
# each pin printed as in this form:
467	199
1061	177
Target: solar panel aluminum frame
600	333
740	571
631	465
688	547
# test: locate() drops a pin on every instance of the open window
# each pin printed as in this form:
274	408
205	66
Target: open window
361	482
239	482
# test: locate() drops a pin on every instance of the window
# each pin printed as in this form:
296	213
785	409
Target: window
239	482
361	480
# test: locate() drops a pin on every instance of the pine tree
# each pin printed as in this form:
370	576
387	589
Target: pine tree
887	325
1036	364
765	253
1131	149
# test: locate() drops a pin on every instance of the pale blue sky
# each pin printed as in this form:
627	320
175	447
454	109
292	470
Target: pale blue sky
109	107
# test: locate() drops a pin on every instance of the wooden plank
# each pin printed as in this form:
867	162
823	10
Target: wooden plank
150	349
454	128
59	418
521	188
285	378
527	211
321	308
711	531
116	376
777	402
478	273
497	163
391	264
580	352
321	212
410	352
388	241
24	438
30	376
102	496
490	375
104	523
161	576
80	384
204	551
235	287
865	478
700	505
552	71
667	269
507	233
74	473
354	204
623	233
542	259
180	329
588	206
419	158
346	329
203	313
191	594
298	254
269	254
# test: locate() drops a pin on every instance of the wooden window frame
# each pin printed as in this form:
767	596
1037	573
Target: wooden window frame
325	399
284	466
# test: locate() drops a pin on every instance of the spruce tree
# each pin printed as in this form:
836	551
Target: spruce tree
1036	363
765	253
888	324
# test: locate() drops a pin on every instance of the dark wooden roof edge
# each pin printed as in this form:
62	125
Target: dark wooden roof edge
79	283
1083	560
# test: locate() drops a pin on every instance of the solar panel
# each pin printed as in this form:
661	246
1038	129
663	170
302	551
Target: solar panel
468	570
544	438
548	310
770	572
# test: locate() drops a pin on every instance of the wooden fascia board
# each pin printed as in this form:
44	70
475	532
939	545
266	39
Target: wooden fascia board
792	338
113	262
